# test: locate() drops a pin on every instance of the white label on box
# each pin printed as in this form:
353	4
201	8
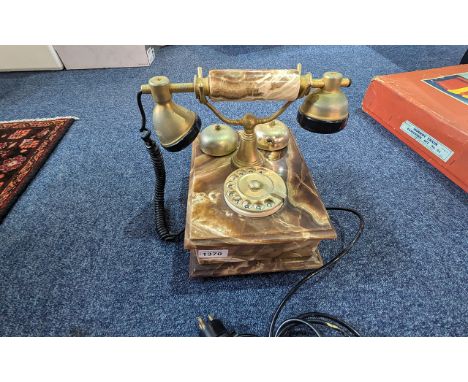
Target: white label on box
428	141
212	253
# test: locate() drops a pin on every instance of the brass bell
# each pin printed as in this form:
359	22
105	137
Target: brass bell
218	140
272	136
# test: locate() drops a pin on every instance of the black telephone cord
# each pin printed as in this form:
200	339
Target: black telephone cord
160	219
305	323
312	319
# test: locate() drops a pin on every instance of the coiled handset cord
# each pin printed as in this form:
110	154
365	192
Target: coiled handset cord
160	218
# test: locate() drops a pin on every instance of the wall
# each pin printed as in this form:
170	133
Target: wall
28	57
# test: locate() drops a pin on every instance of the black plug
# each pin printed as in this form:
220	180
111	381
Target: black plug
213	327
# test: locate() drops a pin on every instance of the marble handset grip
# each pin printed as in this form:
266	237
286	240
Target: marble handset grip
251	85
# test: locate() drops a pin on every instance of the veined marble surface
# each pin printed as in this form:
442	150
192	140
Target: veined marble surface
248	85
211	222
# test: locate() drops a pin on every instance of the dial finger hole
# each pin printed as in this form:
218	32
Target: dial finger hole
269	202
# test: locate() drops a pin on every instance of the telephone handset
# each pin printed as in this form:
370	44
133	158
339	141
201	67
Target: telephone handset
252	204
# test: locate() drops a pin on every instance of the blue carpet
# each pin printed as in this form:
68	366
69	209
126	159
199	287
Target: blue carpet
78	255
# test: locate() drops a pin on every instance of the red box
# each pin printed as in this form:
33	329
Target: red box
428	111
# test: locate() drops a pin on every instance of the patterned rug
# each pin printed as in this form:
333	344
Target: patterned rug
24	147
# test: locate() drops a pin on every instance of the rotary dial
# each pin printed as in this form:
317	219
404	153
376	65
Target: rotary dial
254	191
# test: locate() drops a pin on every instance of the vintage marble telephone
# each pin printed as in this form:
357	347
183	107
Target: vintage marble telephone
252	204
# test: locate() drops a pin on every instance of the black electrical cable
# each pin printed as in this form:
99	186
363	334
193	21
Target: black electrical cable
160	219
315	318
311	321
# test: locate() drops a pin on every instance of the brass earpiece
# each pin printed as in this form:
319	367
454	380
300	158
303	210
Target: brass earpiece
175	125
325	110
